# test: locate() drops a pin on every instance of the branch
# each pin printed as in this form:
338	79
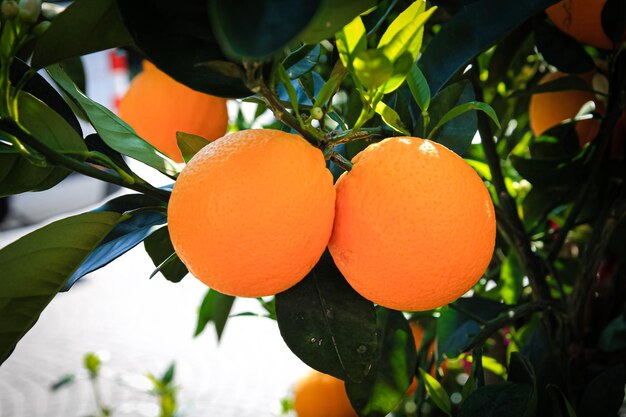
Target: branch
75	165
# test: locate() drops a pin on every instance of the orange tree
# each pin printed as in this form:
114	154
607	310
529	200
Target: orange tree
543	329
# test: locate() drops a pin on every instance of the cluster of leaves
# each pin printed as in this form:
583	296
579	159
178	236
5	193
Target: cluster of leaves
344	74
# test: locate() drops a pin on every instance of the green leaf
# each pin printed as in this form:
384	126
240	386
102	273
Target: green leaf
372	68
562	400
168	376
331	16
178	38
560	50
302	61
291	91
269	25
405	34
391	118
331	86
35	267
437	394
463	108
327	324
190	144
419	87
114	131
351	41
566	83
215	308
160	249
521	370
511	279
613	337
604	395
505	399
86	26
458	133
472	30
387	383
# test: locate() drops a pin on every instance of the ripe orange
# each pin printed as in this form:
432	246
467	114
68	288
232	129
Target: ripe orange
157	107
549	109
582	20
414	225
321	395
251	213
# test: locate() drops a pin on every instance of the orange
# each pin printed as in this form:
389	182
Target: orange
157	107
251	213
321	395
414	225
582	20
549	109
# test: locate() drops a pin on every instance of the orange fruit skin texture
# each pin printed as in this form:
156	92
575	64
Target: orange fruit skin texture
157	107
321	395
251	213
414	225
582	20
549	109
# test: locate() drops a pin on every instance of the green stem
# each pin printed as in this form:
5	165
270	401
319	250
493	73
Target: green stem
53	156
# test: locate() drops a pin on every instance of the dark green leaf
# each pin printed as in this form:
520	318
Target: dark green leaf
62	382
269	25
565	407
298	63
331	16
566	83
550	172
159	247
125	236
560	50
456	330
215	309
86	26
521	371
35	267
508	399
168	376
604	395
387	383
457	134
76	71
459	110
327	324
18	175
614	19
178	39
114	131
613	337
190	144
472	30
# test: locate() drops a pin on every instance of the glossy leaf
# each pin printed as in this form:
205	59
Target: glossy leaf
372	68
304	63
215	309
179	40
35	267
505	399
125	236
560	50
391	118
472	30
331	86
17	174
464	108
613	337
387	383
604	395
351	41
331	16
190	144
327	324
270	25
437	393
86	26
419	87
114	131
159	247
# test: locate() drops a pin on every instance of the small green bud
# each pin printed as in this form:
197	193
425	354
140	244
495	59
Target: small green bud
10	8
92	363
29	10
50	10
41	27
317	113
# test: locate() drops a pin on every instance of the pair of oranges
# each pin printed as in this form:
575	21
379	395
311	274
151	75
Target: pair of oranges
411	226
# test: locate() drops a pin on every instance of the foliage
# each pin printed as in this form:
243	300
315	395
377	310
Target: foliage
541	334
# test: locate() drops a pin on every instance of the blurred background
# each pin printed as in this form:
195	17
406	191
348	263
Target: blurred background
135	325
